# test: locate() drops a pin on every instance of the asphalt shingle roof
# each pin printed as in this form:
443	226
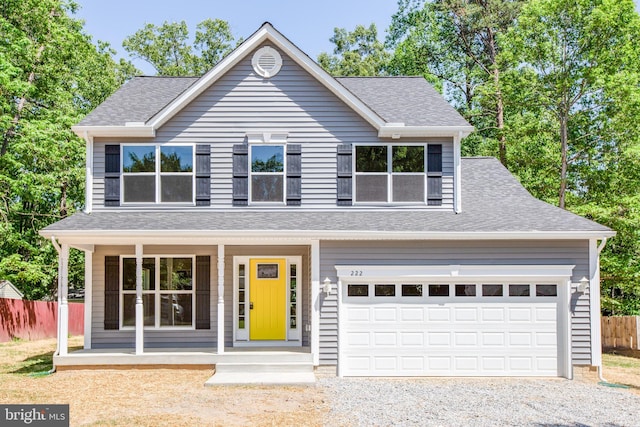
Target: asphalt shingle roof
493	201
137	100
409	100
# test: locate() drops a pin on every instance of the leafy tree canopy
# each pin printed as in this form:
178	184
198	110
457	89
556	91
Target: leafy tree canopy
169	50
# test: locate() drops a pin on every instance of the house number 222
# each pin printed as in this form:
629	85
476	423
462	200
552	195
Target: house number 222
356	272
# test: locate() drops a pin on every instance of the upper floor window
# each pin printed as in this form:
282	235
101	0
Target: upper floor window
392	173
157	173
267	173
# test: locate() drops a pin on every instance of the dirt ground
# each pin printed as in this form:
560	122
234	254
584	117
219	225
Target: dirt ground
177	397
159	397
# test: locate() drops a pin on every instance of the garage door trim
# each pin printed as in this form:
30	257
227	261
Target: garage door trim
407	274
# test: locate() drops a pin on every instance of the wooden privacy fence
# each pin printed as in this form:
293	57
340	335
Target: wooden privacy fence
621	332
32	320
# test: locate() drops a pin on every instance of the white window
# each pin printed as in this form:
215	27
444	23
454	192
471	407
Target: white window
168	295
157	173
267	173
390	173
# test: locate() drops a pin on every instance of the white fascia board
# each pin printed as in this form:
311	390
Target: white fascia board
395	131
408	272
207	237
136	131
267	32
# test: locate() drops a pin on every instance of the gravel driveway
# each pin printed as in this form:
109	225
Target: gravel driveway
477	402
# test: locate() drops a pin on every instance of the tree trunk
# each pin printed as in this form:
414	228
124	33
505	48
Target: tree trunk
63	200
495	71
564	144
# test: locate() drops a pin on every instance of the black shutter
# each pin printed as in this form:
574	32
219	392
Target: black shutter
294	174
240	175
111	292
345	175
203	175
434	175
203	292
111	175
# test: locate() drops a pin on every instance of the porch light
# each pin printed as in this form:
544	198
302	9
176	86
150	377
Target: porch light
582	285
326	287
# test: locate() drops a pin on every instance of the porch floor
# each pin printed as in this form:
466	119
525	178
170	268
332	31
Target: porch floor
197	357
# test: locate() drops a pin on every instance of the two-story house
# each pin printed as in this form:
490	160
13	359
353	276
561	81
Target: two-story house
269	205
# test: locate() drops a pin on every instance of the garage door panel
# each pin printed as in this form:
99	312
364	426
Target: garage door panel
465	314
492	314
438	314
358	339
384	314
412	339
385	339
465	339
412	314
358	314
520	314
439	339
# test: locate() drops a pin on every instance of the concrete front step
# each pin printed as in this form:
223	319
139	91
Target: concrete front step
239	367
261	378
265	357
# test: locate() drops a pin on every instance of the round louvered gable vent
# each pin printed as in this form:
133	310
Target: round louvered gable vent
266	62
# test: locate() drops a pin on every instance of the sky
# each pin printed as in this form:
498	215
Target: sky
308	24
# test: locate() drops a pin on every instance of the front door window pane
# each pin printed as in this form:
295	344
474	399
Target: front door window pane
138	158
176	159
371	159
408	158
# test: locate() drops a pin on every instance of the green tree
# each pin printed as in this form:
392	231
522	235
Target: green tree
456	45
169	50
51	74
356	53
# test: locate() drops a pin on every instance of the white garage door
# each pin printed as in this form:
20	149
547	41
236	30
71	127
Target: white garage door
449	329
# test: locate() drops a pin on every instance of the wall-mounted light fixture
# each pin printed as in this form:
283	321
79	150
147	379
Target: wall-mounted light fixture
582	284
326	287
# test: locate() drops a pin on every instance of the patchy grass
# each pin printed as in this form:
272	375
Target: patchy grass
622	370
158	397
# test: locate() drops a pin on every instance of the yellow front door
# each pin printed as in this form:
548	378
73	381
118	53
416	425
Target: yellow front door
268	299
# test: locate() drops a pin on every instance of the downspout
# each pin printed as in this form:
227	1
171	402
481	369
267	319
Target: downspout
600	248
57	352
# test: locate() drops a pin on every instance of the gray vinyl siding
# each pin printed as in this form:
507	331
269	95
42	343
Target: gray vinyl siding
291	102
265	251
177	338
334	253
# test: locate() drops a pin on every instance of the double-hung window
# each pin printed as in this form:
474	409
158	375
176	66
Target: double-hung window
391	173
267	173
153	173
167	291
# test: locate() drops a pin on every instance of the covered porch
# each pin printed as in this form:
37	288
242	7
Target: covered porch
222	340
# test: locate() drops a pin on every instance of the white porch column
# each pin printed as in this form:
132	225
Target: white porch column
315	301
139	306
63	307
88	296
220	299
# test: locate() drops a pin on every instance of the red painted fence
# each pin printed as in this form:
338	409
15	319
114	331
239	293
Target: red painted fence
32	320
